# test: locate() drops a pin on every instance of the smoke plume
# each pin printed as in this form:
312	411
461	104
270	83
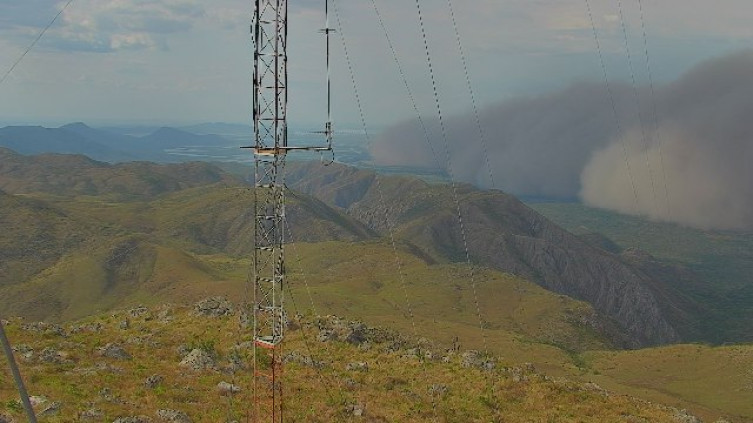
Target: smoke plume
691	162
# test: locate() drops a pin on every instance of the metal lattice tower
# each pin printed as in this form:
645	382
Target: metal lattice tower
270	30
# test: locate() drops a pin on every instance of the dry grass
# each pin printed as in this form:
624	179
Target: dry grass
395	387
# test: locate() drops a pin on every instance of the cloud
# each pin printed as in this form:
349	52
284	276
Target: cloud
104	26
692	167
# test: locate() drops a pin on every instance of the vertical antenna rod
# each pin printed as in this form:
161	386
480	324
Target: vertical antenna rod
328	131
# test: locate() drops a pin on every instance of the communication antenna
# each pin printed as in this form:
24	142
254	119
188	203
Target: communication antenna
269	31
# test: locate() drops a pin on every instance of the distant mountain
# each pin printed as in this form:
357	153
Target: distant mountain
75	175
71	139
107	146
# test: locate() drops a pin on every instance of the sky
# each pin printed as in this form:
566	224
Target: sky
189	61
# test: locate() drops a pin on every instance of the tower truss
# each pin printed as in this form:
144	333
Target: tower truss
270	100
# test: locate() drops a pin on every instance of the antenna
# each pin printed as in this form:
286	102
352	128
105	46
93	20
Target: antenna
269	30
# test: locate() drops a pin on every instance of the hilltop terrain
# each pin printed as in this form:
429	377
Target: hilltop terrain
181	364
107	237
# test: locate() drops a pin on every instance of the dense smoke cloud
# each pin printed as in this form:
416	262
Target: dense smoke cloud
693	164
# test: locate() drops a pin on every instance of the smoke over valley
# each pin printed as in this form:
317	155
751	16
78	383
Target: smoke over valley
686	160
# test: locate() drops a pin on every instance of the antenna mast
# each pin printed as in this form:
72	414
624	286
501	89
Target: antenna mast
269	30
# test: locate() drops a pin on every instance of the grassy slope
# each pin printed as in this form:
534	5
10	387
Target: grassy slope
395	388
724	260
717	377
440	297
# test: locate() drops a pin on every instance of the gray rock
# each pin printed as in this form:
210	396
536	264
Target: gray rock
173	416
350	383
226	388
139	311
165	315
199	360
125	324
411	353
356	410
236	362
683	416
438	389
628	418
133	419
37	400
487	365
183	350
91	414
357	367
51	410
304	360
471	358
44	327
4	418
153	381
356	333
115	351
326	335
22	348
50	355
590	386
214	307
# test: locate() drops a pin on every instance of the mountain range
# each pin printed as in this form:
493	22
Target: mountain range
104	145
82	236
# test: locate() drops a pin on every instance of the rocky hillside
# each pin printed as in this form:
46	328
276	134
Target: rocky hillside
201	209
192	364
501	232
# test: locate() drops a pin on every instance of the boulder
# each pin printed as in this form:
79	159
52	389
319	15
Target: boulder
199	359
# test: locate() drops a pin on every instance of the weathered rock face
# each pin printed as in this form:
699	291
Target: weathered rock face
133	419
199	360
173	416
503	233
214	307
114	351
